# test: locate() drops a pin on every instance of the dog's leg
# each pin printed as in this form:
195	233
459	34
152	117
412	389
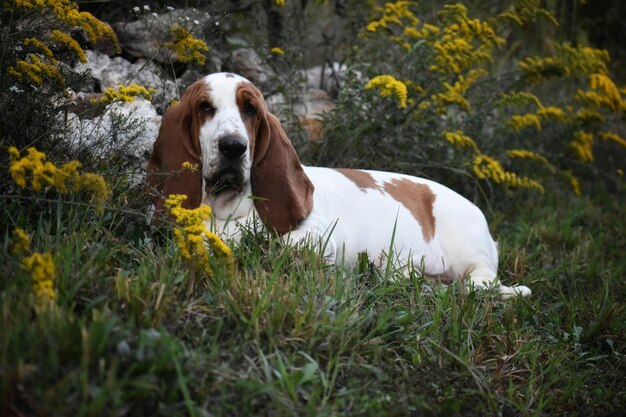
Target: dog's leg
483	277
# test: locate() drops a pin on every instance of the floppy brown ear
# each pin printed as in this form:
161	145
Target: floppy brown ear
285	193
177	143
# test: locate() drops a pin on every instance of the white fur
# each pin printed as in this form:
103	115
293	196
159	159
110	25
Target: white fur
350	220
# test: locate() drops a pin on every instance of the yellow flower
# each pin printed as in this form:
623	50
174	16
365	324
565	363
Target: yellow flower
574	182
42	173
66	12
34	42
67	40
582	145
125	94
189	166
41	268
486	167
21	241
588	116
519	121
277	51
460	140
388	86
279	3
518	98
454	94
393	14
552	112
567	61
186	46
34	70
614	137
192	236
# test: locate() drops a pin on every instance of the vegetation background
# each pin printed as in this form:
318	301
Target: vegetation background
518	105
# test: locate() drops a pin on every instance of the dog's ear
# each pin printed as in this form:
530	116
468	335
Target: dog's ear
176	144
283	190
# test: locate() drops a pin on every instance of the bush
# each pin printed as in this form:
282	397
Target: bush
455	89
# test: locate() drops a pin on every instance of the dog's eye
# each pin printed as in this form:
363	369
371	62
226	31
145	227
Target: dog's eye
206	108
249	110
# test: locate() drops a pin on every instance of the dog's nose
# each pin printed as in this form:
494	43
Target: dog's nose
232	147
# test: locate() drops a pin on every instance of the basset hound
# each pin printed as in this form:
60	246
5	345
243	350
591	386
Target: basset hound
249	169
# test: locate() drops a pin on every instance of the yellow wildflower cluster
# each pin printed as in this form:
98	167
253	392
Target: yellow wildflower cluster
277	51
42	47
518	98
21	241
34	70
67	12
42	173
589	116
460	140
389	86
455	94
582	145
192	235
186	47
568	61
41	268
524	154
603	93
486	167
459	43
525	11
190	167
574	182
41	66
613	137
462	42
125	94
397	13
519	121
66	40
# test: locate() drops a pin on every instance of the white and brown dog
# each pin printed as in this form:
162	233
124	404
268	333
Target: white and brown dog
250	169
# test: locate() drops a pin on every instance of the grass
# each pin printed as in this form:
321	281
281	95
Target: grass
136	333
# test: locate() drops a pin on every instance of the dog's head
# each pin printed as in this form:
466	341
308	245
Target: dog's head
222	126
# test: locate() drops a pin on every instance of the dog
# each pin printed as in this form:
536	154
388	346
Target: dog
249	169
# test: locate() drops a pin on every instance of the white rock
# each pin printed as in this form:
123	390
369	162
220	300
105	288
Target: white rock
102	134
111	72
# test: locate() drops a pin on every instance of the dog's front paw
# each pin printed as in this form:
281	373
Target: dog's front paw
506	293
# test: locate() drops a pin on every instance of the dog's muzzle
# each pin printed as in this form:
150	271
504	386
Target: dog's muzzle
229	177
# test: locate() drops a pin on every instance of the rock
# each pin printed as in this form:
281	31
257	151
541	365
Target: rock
327	77
246	62
308	110
127	128
111	72
144	38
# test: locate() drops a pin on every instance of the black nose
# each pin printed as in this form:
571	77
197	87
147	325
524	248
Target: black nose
232	147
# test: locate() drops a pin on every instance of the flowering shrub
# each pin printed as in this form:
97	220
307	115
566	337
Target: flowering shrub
192	237
447	78
41	64
40	44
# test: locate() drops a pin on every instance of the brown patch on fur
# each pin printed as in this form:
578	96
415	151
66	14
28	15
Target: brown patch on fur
362	179
418	199
248	93
178	142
